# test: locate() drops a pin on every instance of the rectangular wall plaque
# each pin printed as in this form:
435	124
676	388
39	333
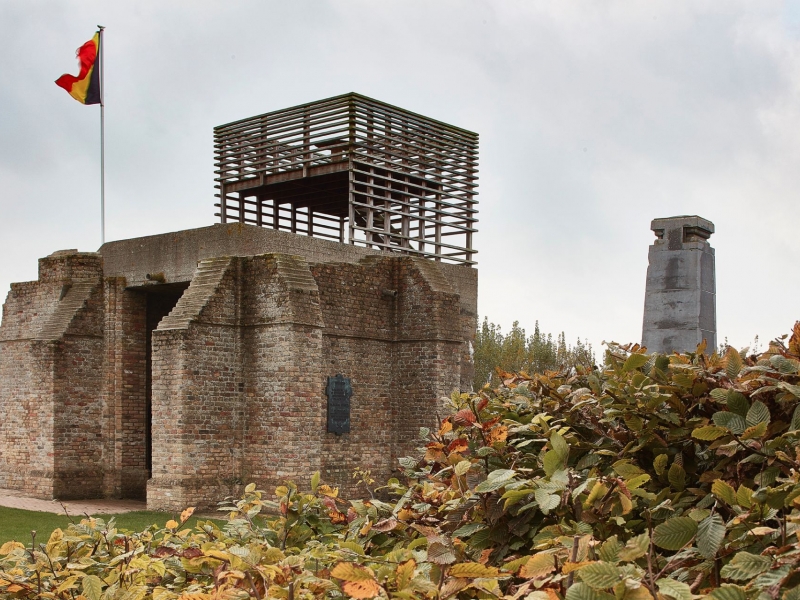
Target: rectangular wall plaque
339	392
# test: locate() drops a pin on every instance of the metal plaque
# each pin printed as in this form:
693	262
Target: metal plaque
339	392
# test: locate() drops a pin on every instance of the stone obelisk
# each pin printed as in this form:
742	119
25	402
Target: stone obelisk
680	297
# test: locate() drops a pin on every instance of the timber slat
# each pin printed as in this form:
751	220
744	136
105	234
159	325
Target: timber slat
354	167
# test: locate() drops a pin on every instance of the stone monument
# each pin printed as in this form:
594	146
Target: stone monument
680	297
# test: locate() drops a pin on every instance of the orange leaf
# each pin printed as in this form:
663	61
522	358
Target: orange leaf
171	524
794	341
498	434
361	589
487	425
457	445
446	427
186	514
337	517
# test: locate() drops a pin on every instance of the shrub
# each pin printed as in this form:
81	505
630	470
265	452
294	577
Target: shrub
673	477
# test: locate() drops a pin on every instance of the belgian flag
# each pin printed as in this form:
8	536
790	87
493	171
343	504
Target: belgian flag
85	88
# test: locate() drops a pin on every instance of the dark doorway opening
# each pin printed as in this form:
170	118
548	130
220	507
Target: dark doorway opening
161	299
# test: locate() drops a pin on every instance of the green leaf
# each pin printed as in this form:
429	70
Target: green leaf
626	470
552	462
92	587
720	394
709	432
792	594
468	529
512	497
609	551
314	482
635	361
674	533
738	403
660	464
635	548
674	589
773	577
559	445
795	419
758	413
677	477
734	364
710	533
600	575
546	501
581	591
731	421
727	592
724	492
496	479
745	566
744	496
638	481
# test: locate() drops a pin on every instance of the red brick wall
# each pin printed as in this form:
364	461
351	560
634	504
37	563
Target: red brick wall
239	368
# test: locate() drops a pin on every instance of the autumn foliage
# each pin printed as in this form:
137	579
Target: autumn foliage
658	477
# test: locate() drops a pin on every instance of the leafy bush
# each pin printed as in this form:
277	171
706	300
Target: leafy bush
672	477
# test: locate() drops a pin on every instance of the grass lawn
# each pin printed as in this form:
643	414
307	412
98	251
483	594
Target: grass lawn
16	524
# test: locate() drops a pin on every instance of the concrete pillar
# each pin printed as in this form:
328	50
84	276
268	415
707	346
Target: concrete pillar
680	297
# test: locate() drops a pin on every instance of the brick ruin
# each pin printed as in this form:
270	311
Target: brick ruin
180	366
177	367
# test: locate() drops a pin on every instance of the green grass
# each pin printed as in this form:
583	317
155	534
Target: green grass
16	524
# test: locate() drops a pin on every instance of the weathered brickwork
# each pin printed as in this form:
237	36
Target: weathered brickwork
183	387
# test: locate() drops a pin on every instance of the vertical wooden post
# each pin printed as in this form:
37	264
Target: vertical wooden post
223	205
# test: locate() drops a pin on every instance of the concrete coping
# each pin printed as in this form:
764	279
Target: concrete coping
693	228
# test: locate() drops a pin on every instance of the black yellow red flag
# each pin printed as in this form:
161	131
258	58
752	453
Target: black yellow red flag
85	88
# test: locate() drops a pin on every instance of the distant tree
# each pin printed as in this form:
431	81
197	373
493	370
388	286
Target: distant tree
515	351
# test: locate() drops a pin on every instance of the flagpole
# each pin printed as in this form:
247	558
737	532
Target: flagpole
102	141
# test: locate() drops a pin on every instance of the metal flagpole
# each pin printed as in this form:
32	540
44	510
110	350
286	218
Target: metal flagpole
102	140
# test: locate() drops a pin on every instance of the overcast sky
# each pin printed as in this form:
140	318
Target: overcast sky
595	117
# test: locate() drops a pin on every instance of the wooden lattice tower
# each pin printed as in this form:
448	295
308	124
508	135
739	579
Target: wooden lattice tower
355	170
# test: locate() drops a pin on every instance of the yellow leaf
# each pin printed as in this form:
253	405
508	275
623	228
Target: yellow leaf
639	593
326	490
569	567
9	547
406	514
171	524
351	572
539	565
365	529
186	514
361	589
627	505
472	570
405	572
